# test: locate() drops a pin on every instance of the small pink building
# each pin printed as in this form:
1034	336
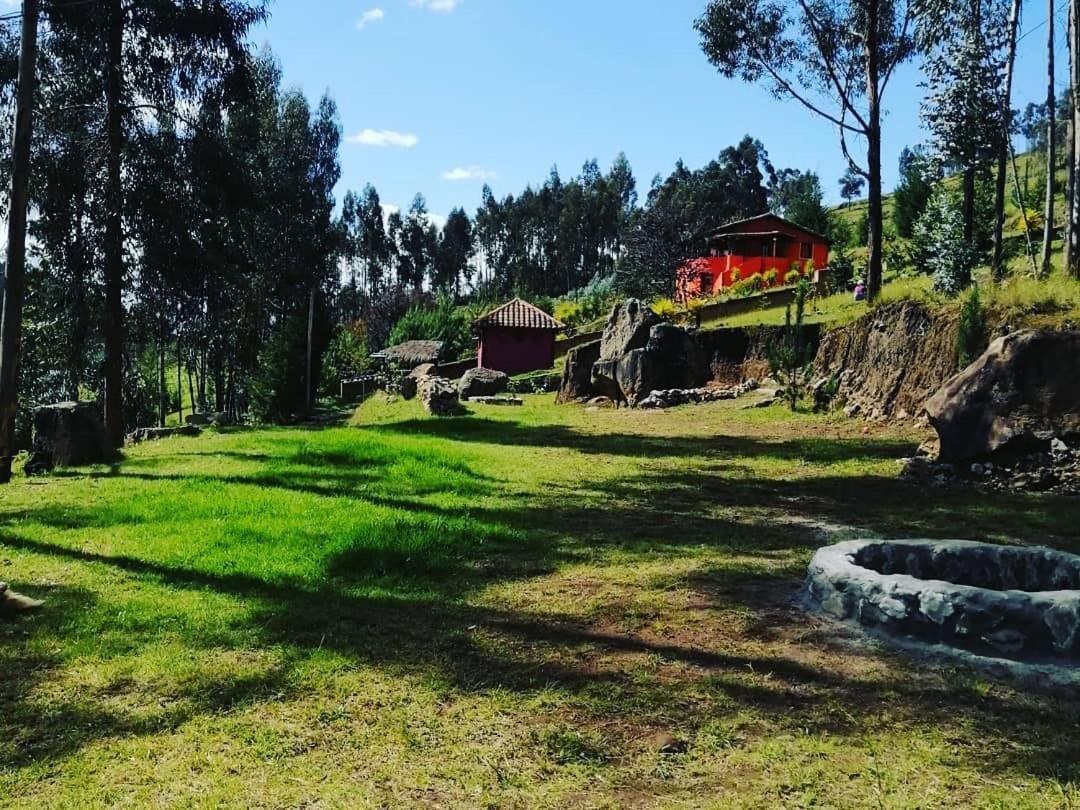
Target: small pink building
517	338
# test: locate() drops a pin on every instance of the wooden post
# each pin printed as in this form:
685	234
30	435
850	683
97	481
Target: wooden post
15	268
308	392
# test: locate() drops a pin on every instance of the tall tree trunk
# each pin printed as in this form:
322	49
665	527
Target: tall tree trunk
163	393
310	376
1004	148
114	229
190	384
873	138
969	204
1051	147
1021	200
15	268
179	378
1072	216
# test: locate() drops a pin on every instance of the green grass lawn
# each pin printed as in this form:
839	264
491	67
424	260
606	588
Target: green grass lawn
518	608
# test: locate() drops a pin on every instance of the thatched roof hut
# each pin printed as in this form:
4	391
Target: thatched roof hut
412	353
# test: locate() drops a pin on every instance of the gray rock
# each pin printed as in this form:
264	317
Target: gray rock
628	328
482	382
68	434
154	434
439	396
576	382
1021	393
670	359
512	401
1000	600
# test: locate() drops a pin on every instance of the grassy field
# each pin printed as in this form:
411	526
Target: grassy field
540	607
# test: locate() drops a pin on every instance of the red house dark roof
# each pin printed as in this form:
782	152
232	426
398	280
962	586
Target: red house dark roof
729	229
518	314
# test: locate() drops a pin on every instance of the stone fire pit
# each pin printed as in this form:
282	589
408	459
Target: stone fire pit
1007	601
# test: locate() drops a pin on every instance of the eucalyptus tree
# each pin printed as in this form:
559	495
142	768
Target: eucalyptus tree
142	58
967	47
834	57
454	252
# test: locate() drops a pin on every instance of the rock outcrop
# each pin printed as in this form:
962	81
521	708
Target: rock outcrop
68	434
890	362
153	434
672	398
628	328
577	385
640	354
1020	395
622	372
438	395
482	382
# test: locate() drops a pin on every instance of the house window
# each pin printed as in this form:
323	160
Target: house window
766	249
807	250
706	282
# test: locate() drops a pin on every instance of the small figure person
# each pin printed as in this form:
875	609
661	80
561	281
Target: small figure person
860	291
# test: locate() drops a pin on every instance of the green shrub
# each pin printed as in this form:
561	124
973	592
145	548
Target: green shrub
665	308
736	275
276	391
938	246
345	357
748	286
444	321
971	337
840	273
568	311
772	277
789	353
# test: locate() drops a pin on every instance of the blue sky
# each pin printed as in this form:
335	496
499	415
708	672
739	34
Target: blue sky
439	96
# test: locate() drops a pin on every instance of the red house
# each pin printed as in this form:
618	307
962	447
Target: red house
761	244
517	338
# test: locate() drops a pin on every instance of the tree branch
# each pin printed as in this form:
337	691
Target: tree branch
786	86
811	19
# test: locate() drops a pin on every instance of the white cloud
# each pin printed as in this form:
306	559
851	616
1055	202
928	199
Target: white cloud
460	173
384	138
368	17
438	6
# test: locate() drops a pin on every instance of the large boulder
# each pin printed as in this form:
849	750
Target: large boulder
627	328
576	382
1016	398
68	434
618	373
438	395
482	382
670	358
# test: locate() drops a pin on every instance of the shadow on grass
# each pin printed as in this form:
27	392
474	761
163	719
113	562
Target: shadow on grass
514	434
366	607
